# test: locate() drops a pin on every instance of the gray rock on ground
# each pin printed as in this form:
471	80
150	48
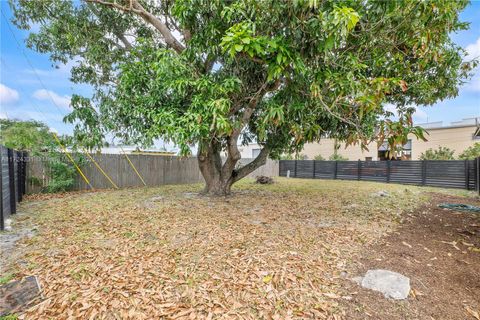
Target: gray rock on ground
391	284
8	225
381	193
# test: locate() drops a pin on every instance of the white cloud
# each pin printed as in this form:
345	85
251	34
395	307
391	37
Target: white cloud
35	27
3	115
61	101
473	50
60	70
420	114
21	113
474	83
8	95
390	107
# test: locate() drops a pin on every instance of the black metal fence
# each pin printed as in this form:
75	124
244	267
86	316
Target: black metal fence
12	181
438	173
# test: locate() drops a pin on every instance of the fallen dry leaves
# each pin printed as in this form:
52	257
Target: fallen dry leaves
271	252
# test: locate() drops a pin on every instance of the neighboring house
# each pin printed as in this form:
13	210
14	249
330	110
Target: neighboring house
457	136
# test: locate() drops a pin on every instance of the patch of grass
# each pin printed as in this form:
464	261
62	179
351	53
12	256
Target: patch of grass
129	234
80	272
9	317
7	278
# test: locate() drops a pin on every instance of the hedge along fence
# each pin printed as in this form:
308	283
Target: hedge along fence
12	182
438	173
155	170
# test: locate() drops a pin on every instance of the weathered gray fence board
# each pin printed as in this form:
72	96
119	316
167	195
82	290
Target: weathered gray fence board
155	170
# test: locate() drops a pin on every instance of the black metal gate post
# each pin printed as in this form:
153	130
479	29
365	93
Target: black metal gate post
359	168
313	175
11	178
2	222
21	173
477	174
389	165
336	169
424	172
467	175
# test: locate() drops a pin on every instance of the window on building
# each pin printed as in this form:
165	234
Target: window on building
405	153
368	158
255	152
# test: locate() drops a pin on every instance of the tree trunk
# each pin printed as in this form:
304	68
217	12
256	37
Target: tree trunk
220	176
218	187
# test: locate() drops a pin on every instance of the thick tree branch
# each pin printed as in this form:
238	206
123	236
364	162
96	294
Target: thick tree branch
259	161
116	32
122	38
232	141
137	8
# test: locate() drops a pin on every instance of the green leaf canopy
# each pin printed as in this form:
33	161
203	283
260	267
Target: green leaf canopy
220	73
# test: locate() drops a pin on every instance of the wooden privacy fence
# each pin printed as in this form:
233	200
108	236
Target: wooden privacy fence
438	173
155	170
12	182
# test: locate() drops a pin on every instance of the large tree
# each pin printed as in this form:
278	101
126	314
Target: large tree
216	74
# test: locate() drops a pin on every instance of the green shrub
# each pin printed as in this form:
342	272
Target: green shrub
35	181
442	153
293	157
471	152
286	156
62	172
337	157
319	157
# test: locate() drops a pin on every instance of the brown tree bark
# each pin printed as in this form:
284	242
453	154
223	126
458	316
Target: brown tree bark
221	175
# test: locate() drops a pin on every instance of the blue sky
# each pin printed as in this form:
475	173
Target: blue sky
23	96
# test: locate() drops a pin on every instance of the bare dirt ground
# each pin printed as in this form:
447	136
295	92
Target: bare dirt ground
439	250
269	252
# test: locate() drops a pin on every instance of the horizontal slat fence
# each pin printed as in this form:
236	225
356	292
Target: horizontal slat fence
12	182
438	173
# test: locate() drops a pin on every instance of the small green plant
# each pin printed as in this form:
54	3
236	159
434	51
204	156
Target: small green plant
62	172
6	278
337	157
442	153
79	273
471	152
9	317
35	181
62	175
286	156
319	157
297	156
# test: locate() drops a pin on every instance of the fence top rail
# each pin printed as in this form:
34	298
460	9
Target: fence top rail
370	161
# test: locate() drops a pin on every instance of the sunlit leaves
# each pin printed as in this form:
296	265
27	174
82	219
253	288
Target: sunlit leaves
272	52
346	18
